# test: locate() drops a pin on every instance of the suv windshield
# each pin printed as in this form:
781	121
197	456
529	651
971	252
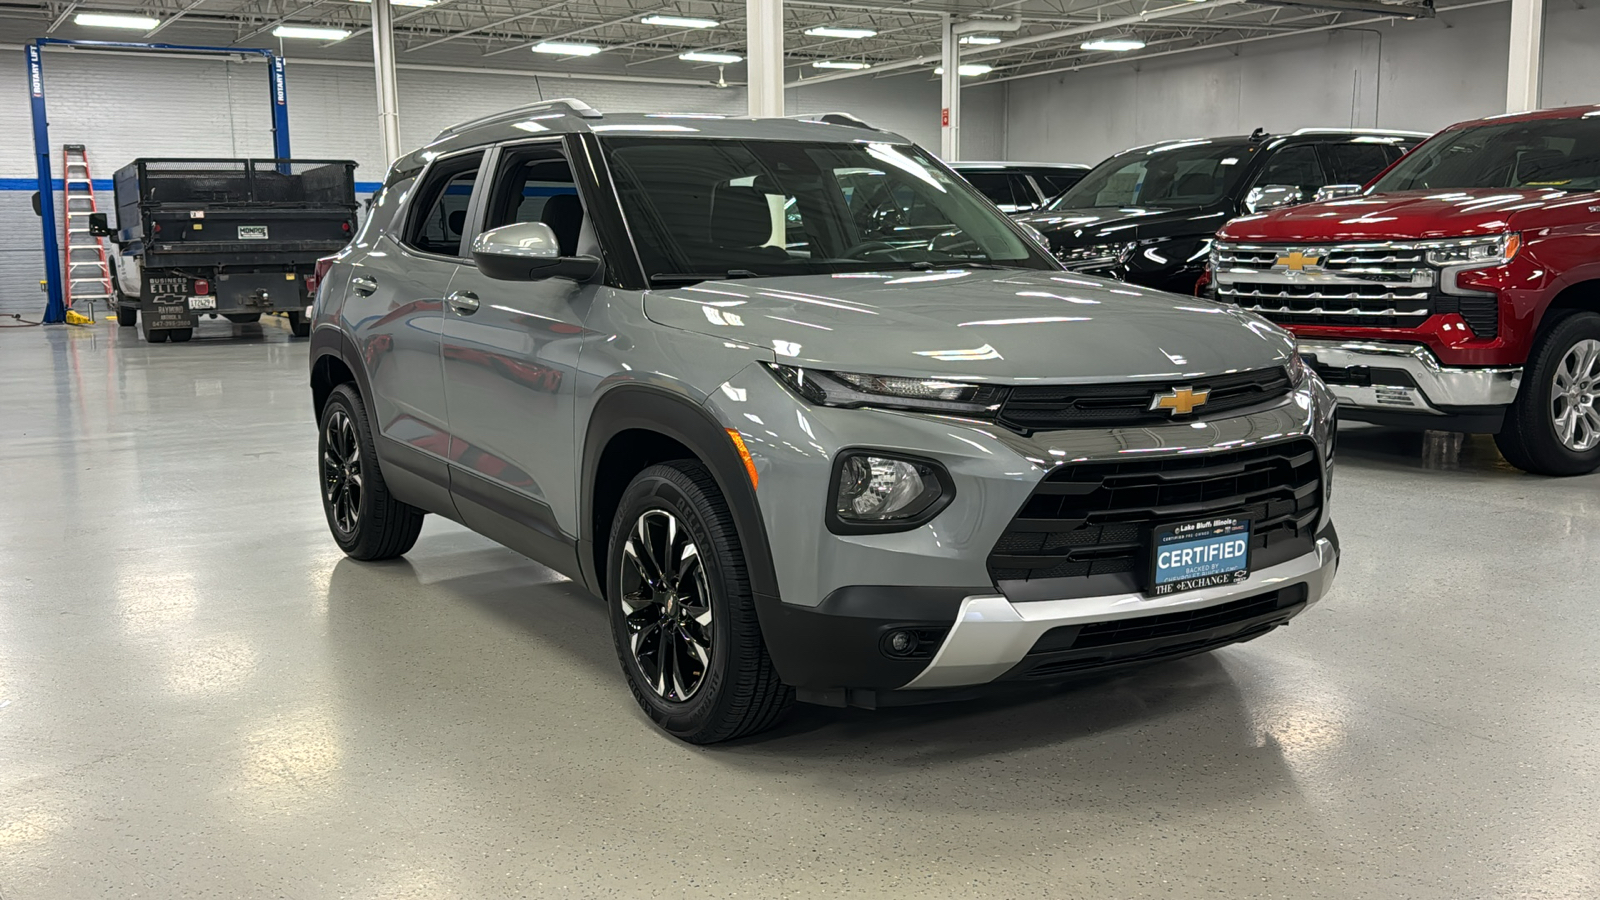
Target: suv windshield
1548	153
717	208
1191	173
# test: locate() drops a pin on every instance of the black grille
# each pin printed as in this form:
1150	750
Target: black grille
1041	407
1086	528
1072	648
1482	315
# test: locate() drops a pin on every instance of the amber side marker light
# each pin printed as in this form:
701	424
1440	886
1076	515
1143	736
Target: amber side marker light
744	454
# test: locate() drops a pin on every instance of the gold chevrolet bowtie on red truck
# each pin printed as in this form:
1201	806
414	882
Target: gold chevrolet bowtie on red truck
1460	290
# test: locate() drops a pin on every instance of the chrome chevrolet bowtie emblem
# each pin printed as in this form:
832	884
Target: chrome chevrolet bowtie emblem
1297	262
1181	401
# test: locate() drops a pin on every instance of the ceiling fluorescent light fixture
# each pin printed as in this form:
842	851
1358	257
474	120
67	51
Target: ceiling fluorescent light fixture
101	20
561	48
982	40
310	34
1116	45
404	2
679	22
968	69
721	59
840	64
833	32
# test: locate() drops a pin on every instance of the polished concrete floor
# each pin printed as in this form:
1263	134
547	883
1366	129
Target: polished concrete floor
200	698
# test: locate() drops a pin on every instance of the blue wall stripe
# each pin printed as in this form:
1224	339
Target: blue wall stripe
104	184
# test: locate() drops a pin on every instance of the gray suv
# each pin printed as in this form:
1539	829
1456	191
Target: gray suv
814	418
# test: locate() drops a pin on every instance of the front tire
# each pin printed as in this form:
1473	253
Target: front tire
1553	428
682	613
367	522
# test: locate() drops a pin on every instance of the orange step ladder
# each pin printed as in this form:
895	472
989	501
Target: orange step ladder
88	272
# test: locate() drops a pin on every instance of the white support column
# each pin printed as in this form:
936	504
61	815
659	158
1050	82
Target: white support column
764	62
950	95
1527	54
388	89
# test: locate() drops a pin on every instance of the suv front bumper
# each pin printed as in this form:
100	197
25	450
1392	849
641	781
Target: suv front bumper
1392	381
830	632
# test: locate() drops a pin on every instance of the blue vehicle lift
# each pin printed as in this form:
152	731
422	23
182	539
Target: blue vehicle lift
56	311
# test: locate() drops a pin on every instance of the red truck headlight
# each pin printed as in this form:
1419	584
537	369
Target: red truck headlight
1484	252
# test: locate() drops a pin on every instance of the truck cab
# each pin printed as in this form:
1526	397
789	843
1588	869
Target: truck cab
1460	290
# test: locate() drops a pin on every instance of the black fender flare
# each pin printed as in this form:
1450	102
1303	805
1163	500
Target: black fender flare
331	340
637	406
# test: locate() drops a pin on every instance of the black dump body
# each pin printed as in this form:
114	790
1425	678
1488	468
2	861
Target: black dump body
204	213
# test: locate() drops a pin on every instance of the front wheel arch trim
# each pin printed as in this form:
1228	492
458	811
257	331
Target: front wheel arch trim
640	407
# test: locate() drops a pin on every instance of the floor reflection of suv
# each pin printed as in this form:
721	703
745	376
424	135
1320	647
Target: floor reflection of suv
1147	215
699	366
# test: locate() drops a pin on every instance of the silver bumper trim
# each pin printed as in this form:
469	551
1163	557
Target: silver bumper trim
992	634
1437	385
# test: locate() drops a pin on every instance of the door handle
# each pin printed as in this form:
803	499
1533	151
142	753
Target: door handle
463	302
363	285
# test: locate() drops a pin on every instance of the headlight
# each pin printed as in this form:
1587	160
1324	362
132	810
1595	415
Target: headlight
873	491
1091	253
1299	369
1496	250
854	390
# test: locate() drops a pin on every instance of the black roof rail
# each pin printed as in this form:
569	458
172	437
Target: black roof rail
569	104
838	118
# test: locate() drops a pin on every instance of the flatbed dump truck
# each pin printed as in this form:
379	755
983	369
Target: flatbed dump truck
224	237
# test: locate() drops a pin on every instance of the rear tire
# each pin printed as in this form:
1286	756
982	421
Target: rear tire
179	335
127	315
683	617
299	325
1553	428
155	335
367	521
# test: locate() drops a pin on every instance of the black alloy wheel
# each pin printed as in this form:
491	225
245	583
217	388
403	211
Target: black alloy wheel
367	521
682	613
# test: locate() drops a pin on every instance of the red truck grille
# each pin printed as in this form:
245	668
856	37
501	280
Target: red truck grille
1347	285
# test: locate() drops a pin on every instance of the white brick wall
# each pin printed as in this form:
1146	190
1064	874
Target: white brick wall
123	107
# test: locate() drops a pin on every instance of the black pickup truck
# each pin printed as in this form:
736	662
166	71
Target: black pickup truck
229	237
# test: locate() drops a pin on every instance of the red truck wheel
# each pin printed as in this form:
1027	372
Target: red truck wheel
1554	426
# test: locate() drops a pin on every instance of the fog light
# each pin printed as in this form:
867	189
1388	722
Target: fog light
872	489
902	642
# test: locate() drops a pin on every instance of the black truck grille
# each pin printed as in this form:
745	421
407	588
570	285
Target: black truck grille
1043	407
1086	528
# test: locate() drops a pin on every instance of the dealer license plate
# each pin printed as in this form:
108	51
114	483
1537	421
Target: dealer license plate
1192	555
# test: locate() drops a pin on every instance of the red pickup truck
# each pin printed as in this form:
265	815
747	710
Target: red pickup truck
1459	291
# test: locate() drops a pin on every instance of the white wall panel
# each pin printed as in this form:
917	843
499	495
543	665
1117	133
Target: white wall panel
1420	75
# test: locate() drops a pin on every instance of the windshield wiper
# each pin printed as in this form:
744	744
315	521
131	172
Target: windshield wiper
923	265
697	277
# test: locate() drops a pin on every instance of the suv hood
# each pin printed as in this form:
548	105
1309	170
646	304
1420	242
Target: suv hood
1004	325
1075	227
1400	216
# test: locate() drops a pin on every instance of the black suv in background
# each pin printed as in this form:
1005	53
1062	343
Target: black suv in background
1020	187
1147	215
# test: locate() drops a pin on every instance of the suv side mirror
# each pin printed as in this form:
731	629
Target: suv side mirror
98	226
1336	192
528	251
1272	196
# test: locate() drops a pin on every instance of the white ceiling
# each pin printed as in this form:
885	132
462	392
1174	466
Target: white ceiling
498	33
